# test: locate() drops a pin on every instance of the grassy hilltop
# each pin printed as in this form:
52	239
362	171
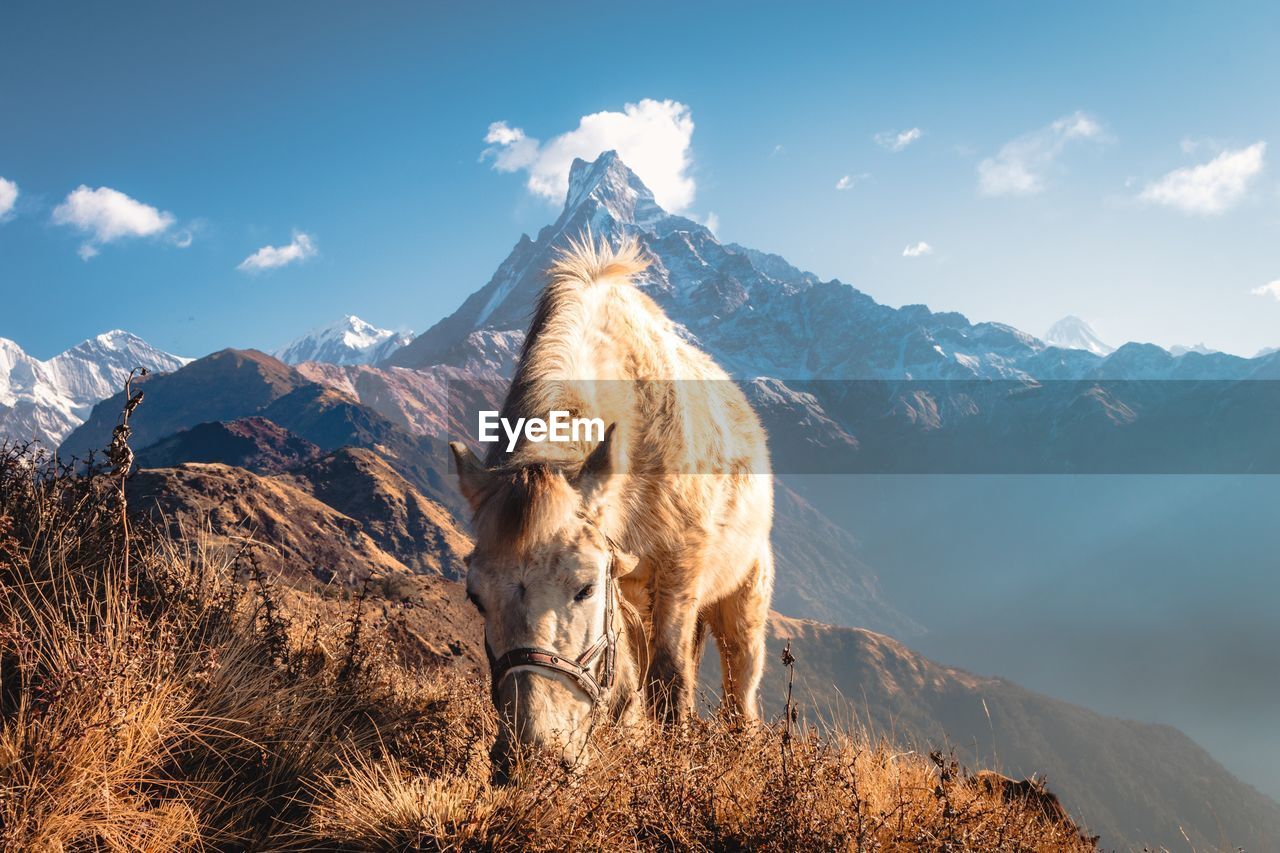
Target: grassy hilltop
173	689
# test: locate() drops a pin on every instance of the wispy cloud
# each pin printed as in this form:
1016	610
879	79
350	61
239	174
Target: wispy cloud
848	182
1271	289
916	250
1210	188
107	215
652	137
897	140
713	223
299	249
8	198
1022	164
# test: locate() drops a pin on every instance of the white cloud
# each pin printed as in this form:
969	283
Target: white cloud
848	182
917	249
1021	165
8	198
652	138
107	215
899	140
1212	187
512	149
269	257
500	133
713	223
1271	289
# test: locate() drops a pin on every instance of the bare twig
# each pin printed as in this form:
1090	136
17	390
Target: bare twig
120	455
789	661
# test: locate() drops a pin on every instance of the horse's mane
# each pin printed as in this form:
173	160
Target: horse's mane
521	505
583	263
522	502
586	260
553	358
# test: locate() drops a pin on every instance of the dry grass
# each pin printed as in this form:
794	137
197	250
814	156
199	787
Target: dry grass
711	788
173	706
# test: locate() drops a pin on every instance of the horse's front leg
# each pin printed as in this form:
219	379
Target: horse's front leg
672	668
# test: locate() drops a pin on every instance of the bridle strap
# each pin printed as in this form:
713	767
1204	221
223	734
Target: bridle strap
579	670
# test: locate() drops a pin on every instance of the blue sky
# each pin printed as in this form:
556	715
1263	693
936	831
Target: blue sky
1130	157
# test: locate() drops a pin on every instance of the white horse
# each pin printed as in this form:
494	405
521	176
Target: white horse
666	519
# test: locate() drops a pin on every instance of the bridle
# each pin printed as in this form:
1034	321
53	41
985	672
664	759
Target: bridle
579	669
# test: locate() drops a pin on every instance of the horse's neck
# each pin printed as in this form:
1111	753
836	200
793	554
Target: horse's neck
572	340
571	351
561	347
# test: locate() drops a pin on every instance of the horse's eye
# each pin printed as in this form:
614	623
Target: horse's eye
471	596
585	592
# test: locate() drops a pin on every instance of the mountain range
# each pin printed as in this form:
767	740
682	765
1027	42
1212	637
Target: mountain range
825	363
349	340
756	313
761	316
45	400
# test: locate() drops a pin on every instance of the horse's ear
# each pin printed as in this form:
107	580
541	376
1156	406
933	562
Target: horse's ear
604	460
594	477
472	475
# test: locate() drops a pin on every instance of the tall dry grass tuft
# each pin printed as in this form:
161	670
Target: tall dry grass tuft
174	704
154	707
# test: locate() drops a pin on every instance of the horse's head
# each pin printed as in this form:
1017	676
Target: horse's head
544	577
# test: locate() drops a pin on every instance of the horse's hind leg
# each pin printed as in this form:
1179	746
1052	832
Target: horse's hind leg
738	623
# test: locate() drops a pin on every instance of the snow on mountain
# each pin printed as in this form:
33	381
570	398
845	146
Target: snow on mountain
1074	333
1200	349
46	400
347	341
760	316
756	313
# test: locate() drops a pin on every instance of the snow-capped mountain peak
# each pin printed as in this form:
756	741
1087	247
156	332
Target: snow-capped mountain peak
759	316
1073	333
45	400
1182	349
754	312
349	340
608	185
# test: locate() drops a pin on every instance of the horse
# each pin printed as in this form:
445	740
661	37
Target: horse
599	570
